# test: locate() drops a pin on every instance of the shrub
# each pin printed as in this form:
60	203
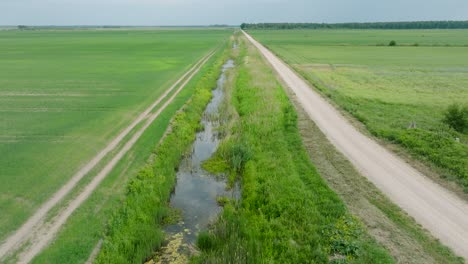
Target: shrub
456	117
392	43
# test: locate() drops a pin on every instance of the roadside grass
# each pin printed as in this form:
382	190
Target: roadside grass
134	230
405	240
287	213
399	93
64	94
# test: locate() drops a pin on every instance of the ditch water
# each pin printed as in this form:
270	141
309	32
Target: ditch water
197	190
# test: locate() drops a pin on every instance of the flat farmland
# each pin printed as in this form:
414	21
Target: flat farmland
400	93
65	94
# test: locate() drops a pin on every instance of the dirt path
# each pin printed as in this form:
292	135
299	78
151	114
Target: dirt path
436	209
38	233
94	253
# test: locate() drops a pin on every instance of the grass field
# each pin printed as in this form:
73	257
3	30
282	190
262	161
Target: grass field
64	95
88	225
389	88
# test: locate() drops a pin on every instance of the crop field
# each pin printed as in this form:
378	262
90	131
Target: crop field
64	94
400	93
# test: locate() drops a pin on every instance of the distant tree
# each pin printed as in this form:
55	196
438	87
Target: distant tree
392	43
456	117
372	25
22	27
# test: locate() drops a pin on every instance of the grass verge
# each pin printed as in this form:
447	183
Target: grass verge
405	240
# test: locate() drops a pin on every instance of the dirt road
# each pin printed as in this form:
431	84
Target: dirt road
38	233
436	209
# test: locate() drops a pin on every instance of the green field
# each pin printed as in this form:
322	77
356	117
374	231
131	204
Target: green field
65	94
389	88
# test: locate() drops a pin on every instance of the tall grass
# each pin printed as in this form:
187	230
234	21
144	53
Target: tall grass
287	213
135	229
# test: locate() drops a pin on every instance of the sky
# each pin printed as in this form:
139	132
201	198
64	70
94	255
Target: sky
207	12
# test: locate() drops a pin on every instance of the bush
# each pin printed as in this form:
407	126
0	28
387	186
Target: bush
456	117
392	43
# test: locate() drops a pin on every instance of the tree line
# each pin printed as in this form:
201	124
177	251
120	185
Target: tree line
367	25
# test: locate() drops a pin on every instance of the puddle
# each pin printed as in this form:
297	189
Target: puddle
197	190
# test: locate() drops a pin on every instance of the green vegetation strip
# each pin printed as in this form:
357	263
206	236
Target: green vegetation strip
134	230
287	213
401	94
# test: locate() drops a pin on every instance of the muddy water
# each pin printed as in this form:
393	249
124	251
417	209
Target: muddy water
197	190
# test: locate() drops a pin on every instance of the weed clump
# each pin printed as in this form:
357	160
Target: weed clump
343	235
392	43
205	241
222	200
456	117
238	154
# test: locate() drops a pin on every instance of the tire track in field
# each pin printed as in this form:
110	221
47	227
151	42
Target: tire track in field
45	233
438	210
35	225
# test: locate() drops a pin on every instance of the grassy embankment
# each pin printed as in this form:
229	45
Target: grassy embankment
287	213
135	229
64	94
389	88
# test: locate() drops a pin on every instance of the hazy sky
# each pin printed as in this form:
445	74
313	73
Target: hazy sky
202	12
